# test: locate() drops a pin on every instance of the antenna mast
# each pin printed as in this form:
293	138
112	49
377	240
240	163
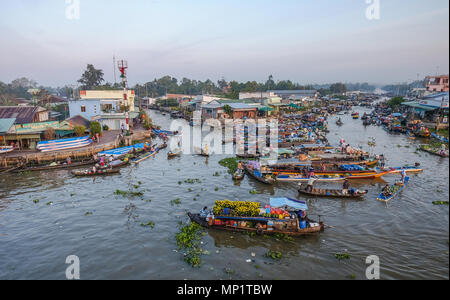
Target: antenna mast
114	68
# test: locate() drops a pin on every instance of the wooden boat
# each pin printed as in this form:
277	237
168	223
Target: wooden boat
239	174
408	169
146	156
332	193
196	218
244	156
256	174
296	178
384	198
373	176
88	173
433	151
55	167
173	155
265	225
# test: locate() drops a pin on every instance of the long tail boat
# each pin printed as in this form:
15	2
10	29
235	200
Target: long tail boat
264	225
146	156
55	167
88	173
301	179
332	193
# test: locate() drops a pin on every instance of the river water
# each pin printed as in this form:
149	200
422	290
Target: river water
409	235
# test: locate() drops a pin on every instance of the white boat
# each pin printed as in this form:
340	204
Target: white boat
65	144
6	149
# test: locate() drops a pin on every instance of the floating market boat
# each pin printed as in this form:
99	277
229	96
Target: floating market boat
284	216
163	132
394	190
239	174
254	171
55	166
301	179
433	151
146	156
124	150
174	154
408	169
64	144
89	173
333	193
440	138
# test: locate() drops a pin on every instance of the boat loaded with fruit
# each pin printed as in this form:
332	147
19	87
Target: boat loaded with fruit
283	216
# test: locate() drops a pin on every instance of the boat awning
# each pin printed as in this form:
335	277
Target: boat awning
417	105
265	108
282	202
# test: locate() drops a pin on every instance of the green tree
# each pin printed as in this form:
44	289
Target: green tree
95	128
228	110
91	78
79	130
395	102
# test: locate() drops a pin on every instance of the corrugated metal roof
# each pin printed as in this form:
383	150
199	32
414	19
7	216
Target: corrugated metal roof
419	106
22	114
6	124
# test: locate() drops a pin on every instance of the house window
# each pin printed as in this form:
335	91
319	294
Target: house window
83	108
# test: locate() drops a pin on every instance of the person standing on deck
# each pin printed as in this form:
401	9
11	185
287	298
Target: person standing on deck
382	161
403	175
346	187
310	186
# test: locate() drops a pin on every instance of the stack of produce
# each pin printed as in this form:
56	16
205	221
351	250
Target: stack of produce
236	208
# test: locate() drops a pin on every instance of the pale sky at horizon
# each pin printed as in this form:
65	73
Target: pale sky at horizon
305	41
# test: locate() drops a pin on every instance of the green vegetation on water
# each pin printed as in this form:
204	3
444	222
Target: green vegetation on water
342	256
275	255
188	239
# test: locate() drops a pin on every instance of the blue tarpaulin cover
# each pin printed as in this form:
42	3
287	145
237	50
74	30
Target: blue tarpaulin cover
296	204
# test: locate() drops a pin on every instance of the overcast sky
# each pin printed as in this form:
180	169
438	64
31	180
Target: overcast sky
306	41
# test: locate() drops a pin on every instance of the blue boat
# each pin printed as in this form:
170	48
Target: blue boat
386	199
122	151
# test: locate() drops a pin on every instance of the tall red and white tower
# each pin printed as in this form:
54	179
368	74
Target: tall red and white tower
123	66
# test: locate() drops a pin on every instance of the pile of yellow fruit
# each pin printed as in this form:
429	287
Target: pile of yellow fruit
237	208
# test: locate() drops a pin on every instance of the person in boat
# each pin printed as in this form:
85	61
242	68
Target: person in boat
403	175
240	166
204	212
443	150
346	187
69	161
382	161
102	161
386	191
310	186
